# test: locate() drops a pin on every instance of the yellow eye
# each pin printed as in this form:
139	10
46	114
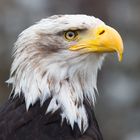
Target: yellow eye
71	35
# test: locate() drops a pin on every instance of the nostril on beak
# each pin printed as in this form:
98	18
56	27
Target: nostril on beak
102	32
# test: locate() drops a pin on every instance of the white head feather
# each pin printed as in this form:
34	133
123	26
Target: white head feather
43	67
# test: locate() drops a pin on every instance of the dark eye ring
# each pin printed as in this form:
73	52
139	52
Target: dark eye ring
70	35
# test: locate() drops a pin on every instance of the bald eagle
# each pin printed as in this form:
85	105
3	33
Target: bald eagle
53	78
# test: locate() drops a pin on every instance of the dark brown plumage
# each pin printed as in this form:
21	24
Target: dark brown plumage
18	124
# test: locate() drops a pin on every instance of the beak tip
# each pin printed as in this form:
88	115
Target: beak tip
120	57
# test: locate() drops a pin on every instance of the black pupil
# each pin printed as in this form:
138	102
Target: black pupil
70	34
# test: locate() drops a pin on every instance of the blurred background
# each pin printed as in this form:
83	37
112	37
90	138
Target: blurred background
118	106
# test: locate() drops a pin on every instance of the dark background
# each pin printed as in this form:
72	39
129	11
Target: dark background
118	106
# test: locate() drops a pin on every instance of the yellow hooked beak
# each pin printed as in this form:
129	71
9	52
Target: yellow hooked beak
102	39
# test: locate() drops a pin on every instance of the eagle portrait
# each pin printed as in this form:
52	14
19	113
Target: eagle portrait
53	78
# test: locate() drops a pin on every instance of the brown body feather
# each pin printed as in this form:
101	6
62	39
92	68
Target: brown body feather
18	124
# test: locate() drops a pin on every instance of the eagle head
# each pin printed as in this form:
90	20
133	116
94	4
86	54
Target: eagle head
59	58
